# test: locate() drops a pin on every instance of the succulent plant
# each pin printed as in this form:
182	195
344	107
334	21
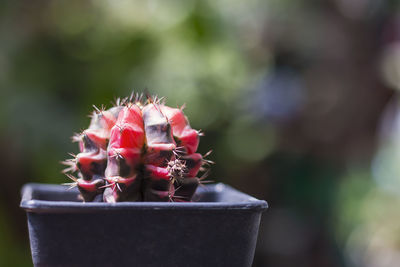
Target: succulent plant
137	151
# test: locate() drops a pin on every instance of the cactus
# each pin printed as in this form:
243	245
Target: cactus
137	151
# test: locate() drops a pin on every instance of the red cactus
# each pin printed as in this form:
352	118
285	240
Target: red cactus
137	151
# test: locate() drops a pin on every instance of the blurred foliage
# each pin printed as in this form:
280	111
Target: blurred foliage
289	94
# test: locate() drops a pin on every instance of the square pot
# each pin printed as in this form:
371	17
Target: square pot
218	228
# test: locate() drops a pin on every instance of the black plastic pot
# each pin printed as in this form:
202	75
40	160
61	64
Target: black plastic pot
219	228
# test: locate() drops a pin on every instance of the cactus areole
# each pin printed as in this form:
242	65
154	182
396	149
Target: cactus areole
137	151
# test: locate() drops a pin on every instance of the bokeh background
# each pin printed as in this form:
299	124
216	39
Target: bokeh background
297	99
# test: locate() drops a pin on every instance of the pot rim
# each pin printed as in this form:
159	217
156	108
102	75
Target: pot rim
241	202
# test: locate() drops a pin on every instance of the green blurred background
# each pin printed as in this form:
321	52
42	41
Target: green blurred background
297	100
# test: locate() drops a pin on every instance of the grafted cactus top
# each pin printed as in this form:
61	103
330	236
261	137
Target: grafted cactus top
137	151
